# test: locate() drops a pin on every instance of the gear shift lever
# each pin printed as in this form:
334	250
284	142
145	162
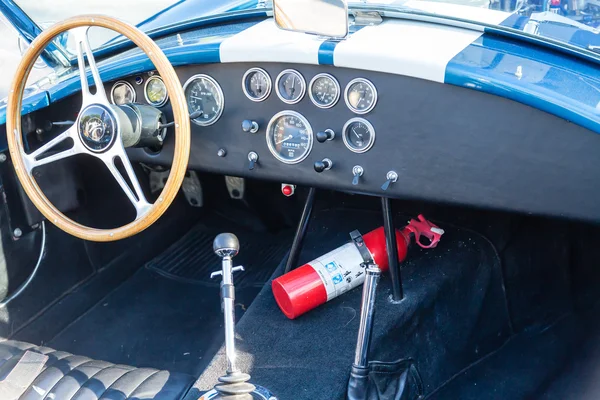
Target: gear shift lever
234	385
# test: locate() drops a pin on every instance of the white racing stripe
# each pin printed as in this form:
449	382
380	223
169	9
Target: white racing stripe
403	47
265	42
417	49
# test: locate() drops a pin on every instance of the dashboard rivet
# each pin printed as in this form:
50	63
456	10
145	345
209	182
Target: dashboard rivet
222	153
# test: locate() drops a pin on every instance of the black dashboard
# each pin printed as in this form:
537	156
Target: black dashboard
444	143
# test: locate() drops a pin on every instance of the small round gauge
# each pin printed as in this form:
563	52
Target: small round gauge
122	92
155	91
204	95
256	84
360	96
324	90
358	135
290	86
289	137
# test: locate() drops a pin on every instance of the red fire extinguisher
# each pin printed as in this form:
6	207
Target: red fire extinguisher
341	270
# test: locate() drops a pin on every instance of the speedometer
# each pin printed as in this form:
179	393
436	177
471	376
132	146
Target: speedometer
289	137
204	95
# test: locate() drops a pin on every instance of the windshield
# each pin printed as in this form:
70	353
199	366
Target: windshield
47	12
575	22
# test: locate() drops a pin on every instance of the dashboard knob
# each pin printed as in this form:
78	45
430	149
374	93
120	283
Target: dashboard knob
249	126
323	136
323	165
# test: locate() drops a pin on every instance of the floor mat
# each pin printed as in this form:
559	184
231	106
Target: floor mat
192	259
151	321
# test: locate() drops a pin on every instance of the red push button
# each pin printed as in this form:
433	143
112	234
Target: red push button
287	190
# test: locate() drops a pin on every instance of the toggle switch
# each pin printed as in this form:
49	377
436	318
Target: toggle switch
323	136
324	165
249	126
357	171
391	177
253	158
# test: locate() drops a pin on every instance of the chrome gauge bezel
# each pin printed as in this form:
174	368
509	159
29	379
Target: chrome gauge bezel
337	86
117	83
221	103
269	84
164	101
270	144
345	135
373	88
302	86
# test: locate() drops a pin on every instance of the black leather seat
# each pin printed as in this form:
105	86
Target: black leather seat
65	376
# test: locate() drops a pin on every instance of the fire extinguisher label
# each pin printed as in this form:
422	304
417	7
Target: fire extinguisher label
340	270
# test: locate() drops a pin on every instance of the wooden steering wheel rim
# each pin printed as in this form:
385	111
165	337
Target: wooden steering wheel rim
180	113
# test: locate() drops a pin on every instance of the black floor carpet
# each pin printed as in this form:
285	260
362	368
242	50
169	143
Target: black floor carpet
552	363
453	313
168	315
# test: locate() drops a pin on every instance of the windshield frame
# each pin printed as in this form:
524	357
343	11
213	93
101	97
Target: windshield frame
54	55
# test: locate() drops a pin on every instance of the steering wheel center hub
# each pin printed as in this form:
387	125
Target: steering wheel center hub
97	128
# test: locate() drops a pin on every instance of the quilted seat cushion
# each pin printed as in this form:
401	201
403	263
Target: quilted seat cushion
68	377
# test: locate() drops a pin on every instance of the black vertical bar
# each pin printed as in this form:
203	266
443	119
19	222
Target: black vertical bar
300	231
392	249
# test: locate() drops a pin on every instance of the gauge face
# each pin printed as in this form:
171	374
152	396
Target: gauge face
204	95
289	137
256	84
324	90
290	86
122	93
359	135
155	91
360	96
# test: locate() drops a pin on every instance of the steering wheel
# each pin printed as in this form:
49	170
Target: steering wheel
98	130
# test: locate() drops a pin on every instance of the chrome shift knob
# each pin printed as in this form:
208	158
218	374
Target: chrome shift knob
226	245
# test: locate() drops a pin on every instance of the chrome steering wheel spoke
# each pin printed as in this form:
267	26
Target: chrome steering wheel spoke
135	196
36	159
84	50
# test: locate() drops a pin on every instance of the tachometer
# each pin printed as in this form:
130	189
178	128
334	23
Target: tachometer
204	95
324	90
256	84
155	91
360	96
290	86
289	137
122	92
358	135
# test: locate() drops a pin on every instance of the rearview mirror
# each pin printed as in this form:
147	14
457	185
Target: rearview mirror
318	17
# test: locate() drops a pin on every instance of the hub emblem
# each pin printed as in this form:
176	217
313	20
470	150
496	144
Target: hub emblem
97	128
